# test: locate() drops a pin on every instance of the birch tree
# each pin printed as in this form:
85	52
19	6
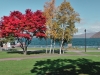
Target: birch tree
49	12
66	18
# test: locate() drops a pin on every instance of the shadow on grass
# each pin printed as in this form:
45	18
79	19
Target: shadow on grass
13	49
31	52
36	52
28	52
66	67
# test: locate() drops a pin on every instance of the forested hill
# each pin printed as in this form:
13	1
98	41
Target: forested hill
88	35
96	35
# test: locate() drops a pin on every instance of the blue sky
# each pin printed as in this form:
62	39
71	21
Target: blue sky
88	9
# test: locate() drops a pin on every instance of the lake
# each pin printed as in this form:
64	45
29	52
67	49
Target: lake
75	42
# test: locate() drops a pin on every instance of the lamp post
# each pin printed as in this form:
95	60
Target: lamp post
85	40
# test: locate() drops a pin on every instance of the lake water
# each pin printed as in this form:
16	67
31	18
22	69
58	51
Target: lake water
75	42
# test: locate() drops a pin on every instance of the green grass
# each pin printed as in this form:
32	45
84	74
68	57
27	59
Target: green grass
4	54
93	53
88	65
24	67
14	54
87	48
70	53
77	48
17	52
32	48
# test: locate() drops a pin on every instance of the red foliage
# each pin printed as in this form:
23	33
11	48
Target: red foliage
23	25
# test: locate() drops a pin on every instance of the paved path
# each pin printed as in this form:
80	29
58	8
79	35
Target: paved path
38	56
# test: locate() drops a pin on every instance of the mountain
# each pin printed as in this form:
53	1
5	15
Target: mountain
88	35
96	35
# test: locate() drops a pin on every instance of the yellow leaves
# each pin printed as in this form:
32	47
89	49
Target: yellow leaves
67	34
67	15
65	5
56	17
66	12
49	9
49	12
54	34
75	17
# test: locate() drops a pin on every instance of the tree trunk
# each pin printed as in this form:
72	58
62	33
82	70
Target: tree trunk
46	46
25	51
50	47
63	50
61	47
54	47
62	41
46	50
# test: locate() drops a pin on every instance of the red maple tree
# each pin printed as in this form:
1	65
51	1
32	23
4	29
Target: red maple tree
23	26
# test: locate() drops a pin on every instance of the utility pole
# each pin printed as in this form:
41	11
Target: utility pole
85	40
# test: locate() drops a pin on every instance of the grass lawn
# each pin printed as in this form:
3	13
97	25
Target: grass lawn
56	65
30	48
16	54
59	64
92	53
87	49
4	54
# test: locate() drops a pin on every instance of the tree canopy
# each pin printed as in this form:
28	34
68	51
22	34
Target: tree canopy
23	26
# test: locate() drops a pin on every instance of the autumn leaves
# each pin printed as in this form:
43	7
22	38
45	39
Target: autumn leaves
56	23
23	26
60	21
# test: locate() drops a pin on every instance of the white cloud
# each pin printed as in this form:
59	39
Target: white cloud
95	27
82	22
80	30
90	27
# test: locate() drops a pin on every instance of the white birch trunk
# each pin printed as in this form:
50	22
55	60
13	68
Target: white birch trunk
62	40
46	50
50	47
46	46
61	46
63	50
54	47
